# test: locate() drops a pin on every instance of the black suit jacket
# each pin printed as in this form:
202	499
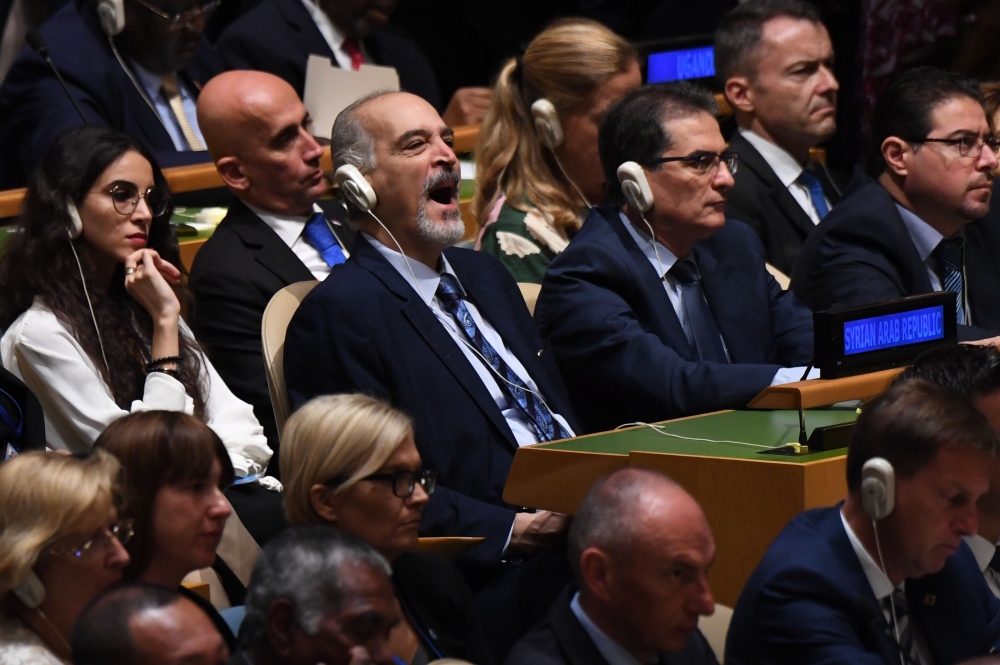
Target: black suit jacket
278	36
862	253
366	330
234	277
760	200
621	348
562	640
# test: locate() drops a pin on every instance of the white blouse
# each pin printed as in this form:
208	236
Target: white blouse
78	404
19	645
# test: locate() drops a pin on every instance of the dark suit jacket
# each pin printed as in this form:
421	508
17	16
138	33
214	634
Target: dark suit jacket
809	602
433	593
759	200
277	36
621	348
35	109
562	640
862	253
234	277
366	330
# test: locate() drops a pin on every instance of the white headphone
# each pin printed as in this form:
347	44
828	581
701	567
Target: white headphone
547	125
76	224
355	188
635	187
878	488
30	591
112	16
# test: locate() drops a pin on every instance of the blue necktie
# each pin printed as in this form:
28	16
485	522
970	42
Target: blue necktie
318	234
809	180
546	427
901	618
949	255
707	338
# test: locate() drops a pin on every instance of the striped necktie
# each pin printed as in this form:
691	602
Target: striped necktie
901	633
949	253
171	90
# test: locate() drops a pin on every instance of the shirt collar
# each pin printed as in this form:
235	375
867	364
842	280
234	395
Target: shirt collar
924	236
427	279
642	239
613	652
780	160
982	549
877	580
320	16
150	82
288	227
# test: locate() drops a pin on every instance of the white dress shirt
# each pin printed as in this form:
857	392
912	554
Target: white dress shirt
787	169
984	550
612	652
152	83
426	286
662	260
882	588
78	405
289	228
333	36
926	239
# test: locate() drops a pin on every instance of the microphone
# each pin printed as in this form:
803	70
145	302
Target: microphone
36	42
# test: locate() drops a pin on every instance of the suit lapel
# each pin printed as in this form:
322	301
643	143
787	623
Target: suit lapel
310	39
572	637
779	194
272	252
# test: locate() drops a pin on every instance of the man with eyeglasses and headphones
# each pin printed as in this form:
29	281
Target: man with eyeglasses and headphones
914	230
885	576
134	65
661	307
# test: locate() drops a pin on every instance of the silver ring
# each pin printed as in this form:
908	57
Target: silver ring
129	271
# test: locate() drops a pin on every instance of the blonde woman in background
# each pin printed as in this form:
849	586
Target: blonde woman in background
350	461
537	167
61	544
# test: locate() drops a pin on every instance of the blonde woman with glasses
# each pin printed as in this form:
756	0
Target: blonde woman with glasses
349	461
61	544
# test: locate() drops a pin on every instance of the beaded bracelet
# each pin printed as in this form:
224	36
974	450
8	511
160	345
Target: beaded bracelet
162	361
162	370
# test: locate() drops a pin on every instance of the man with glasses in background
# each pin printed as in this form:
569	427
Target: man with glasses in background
661	307
134	65
914	230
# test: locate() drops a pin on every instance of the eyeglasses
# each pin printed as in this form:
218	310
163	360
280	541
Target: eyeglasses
403	482
125	197
970	143
702	162
181	19
122	530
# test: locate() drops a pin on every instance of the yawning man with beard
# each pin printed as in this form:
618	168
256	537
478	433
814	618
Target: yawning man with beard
444	335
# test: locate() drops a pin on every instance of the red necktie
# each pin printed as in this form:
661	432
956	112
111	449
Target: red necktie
351	48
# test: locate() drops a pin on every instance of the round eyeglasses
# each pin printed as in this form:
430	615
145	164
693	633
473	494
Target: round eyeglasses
403	482
122	530
125	198
180	19
702	162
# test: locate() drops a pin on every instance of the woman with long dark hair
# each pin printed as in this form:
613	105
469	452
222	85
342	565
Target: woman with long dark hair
90	297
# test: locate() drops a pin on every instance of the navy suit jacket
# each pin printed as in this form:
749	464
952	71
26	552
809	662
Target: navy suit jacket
364	329
35	110
809	602
621	348
277	36
862	253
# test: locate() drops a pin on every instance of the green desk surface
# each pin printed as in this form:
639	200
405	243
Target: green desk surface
769	428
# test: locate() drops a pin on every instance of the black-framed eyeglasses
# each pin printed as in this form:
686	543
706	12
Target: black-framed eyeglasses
968	144
125	198
702	162
403	482
123	530
187	17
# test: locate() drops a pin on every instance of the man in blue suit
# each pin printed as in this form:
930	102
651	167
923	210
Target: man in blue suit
148	89
644	329
444	334
883	577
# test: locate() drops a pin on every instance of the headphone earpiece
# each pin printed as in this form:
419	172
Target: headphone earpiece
635	187
30	591
355	188
547	125
878	488
75	229
112	16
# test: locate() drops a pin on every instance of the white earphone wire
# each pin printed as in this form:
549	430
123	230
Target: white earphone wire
570	180
892	602
83	281
135	83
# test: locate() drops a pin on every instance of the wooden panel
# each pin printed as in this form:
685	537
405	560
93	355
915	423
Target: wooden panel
823	392
556	479
189	248
10	202
450	547
200	588
725	110
465	138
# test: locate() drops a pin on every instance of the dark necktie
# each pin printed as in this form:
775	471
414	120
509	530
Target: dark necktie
546	427
318	234
809	180
353	49
949	255
707	338
901	617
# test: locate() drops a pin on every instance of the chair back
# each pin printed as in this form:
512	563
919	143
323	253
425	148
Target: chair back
529	292
714	628
277	315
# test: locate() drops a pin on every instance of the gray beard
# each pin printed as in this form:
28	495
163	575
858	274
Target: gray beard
440	234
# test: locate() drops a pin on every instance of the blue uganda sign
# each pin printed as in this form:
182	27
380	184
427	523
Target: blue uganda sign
693	63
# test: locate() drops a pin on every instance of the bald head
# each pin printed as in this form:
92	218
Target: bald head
258	133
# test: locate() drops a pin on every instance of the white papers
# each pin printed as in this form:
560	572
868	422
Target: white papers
330	89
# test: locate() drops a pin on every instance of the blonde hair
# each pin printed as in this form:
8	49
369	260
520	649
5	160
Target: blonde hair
45	496
343	437
563	64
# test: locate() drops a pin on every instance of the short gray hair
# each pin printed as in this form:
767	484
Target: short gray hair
302	565
603	520
350	142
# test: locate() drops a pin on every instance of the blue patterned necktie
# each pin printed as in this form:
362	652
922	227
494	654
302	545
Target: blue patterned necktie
949	255
707	338
809	180
546	427
318	234
902	630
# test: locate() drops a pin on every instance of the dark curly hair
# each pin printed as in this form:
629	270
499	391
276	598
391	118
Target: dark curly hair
38	262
